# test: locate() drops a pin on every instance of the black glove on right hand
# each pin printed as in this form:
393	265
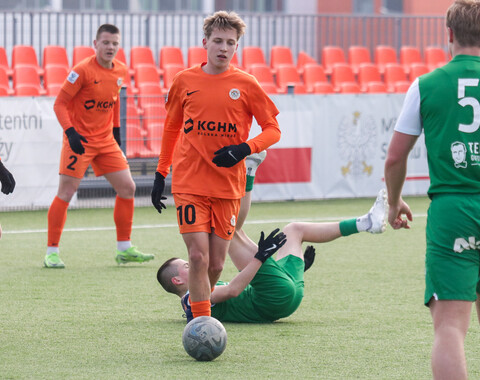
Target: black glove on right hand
157	191
75	140
7	180
231	155
267	247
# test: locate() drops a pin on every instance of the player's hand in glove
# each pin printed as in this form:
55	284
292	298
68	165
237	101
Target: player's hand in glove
7	180
157	191
267	247
116	135
75	140
231	155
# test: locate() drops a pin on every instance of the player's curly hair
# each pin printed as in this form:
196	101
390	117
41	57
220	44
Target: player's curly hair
463	17
165	274
224	20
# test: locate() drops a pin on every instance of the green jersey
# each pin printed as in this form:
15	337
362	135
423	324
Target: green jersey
450	115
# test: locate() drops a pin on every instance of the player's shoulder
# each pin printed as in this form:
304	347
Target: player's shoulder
119	65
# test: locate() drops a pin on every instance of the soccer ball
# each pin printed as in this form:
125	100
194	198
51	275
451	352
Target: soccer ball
204	338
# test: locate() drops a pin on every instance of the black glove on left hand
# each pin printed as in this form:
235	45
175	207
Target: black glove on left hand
157	191
7	180
267	247
116	135
231	155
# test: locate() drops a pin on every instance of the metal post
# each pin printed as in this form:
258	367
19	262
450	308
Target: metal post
123	119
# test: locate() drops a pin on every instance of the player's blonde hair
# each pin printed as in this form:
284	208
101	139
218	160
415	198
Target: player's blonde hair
224	20
463	17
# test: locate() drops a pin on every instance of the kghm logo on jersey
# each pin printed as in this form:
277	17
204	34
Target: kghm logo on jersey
210	128
103	105
234	93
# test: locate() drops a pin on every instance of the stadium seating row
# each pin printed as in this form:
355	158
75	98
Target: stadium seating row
335	68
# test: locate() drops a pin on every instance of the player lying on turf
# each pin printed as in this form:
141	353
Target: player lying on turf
266	289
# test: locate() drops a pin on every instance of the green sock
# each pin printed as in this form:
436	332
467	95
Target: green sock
249	185
348	227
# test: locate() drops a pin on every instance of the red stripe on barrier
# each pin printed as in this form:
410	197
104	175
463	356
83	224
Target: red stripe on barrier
286	165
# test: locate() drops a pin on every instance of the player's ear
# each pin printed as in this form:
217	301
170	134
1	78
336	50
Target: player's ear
450	34
177	280
204	42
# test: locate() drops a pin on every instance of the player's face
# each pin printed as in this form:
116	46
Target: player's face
107	47
221	46
182	268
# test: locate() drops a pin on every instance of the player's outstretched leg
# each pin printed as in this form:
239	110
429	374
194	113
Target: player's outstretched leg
309	257
375	221
132	255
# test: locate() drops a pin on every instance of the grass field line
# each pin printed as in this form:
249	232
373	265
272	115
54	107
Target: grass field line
175	225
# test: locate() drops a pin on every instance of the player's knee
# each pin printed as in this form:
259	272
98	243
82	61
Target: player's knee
292	230
215	269
197	259
127	191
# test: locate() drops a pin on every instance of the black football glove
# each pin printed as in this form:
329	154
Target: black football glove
157	191
267	247
7	180
231	155
116	135
75	140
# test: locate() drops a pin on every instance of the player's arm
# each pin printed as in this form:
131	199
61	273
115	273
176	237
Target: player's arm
6	179
266	248
61	110
116	122
171	134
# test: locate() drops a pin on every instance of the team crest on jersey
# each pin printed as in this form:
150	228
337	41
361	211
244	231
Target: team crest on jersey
234	93
233	221
119	81
72	77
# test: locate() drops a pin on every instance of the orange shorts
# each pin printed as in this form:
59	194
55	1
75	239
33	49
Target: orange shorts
105	158
197	213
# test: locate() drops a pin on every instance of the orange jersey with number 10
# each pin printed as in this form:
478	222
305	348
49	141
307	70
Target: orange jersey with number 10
204	114
95	92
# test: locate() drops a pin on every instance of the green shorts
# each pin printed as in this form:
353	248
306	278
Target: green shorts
453	242
278	287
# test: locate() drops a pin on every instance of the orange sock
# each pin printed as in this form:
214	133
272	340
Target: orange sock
57	215
201	308
123	217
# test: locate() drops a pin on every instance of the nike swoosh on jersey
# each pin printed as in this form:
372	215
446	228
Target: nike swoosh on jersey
192	92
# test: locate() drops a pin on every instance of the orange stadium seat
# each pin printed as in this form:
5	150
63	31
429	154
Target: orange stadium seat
358	55
136	147
252	55
4	83
394	72
288	75
341	73
313	73
401	86
270	88
368	72
142	56
330	56
146	74
279	56
323	88
123	58
150	94
154	121
169	73
196	55
53	79
25	55
80	53
235	62
408	56
262	73
304	59
170	55
417	69
349	88
375	87
26	81
4	62
55	56
384	54
435	57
